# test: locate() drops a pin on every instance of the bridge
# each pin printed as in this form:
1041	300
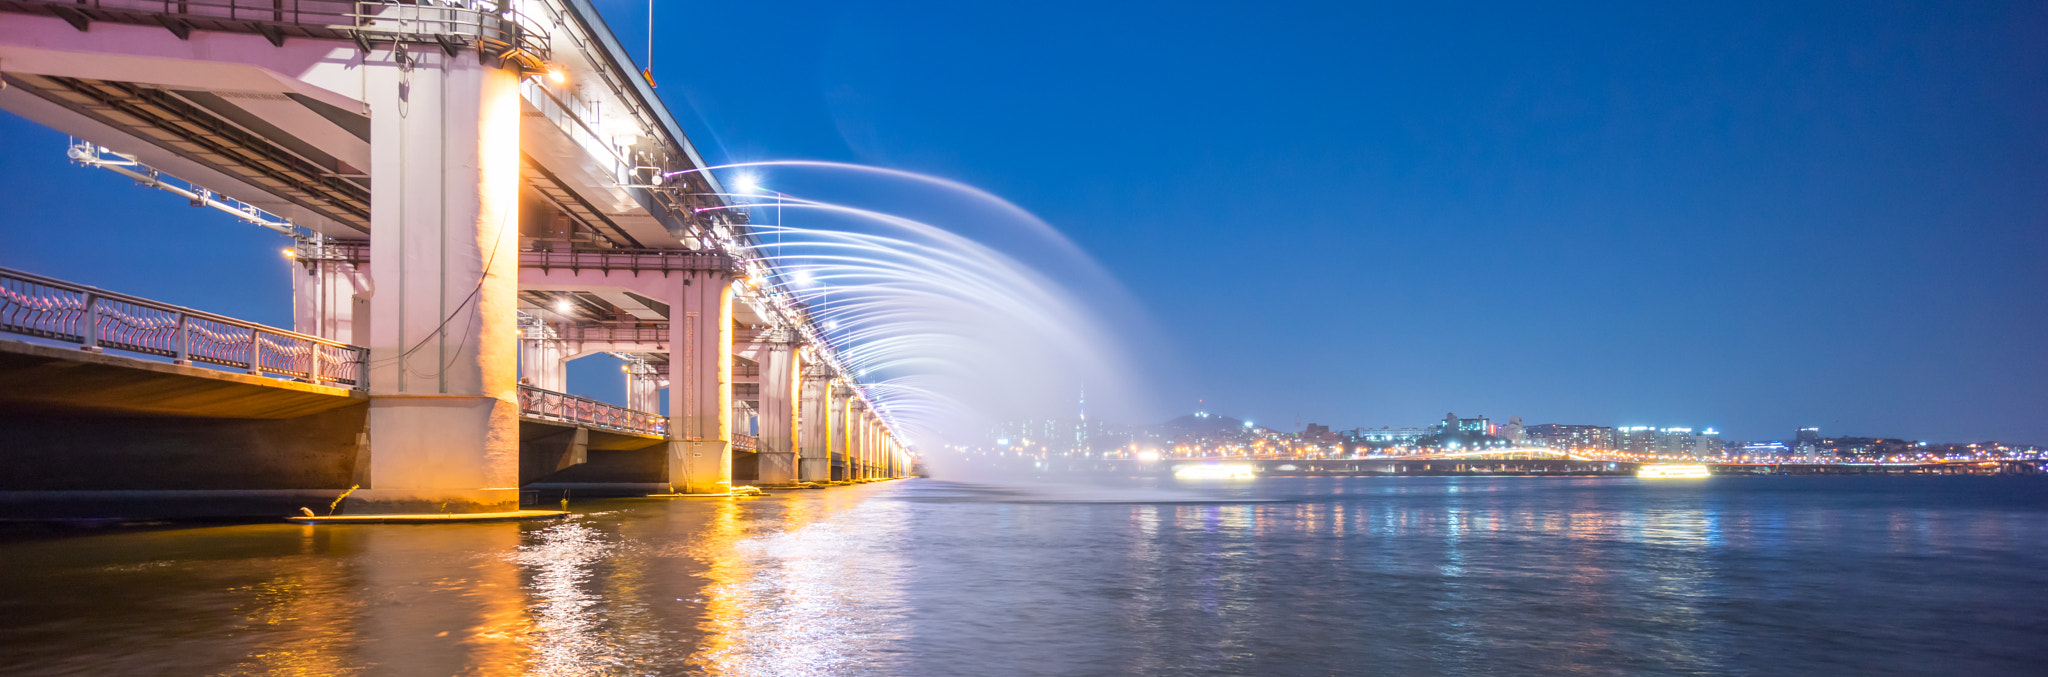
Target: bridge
477	194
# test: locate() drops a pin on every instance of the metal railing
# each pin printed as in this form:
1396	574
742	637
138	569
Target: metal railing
745	442
98	320
496	29
626	260
612	333
566	408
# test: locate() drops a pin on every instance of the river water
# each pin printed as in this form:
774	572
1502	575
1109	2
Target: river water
1278	576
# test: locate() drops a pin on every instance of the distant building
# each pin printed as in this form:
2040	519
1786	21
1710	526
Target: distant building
1708	444
1766	451
1660	442
1318	434
1514	432
1389	437
1639	439
1453	424
1675	442
1579	437
1806	445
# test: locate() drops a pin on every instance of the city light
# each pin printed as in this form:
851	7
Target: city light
1215	472
1673	471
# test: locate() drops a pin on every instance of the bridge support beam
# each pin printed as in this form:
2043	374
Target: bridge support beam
880	461
856	435
444	419
544	362
700	383
814	421
779	382
331	300
838	454
643	389
867	442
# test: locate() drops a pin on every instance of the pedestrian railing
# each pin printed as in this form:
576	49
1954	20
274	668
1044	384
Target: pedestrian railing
625	260
498	29
745	442
583	411
99	320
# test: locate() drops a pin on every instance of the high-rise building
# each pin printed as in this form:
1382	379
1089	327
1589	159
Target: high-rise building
1675	442
1806	445
1708	444
1453	424
1572	437
1514	432
1638	439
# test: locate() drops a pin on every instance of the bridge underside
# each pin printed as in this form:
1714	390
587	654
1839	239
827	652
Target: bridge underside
36	378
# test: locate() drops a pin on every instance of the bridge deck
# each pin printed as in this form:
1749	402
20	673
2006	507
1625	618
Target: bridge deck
48	378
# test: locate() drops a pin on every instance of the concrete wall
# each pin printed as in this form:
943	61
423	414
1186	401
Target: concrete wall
81	465
556	458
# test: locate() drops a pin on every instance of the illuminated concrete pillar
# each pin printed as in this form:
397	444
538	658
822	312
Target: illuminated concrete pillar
889	463
543	360
871	425
331	299
857	442
814	421
643	388
778	411
700	383
842	431
889	455
444	166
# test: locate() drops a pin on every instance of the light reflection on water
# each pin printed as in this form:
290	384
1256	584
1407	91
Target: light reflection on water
1399	576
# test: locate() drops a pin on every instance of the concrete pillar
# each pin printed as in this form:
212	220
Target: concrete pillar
867	442
444	162
842	432
814	422
870	445
778	411
700	383
857	440
543	360
331	300
643	388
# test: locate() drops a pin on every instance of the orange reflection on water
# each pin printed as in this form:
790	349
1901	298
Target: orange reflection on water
807	586
301	613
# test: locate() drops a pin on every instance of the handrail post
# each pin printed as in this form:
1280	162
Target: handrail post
316	363
255	351
184	356
91	330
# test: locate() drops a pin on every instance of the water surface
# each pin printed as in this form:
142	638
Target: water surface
1281	576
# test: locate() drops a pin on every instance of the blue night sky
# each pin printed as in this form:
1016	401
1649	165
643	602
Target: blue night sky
1750	216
